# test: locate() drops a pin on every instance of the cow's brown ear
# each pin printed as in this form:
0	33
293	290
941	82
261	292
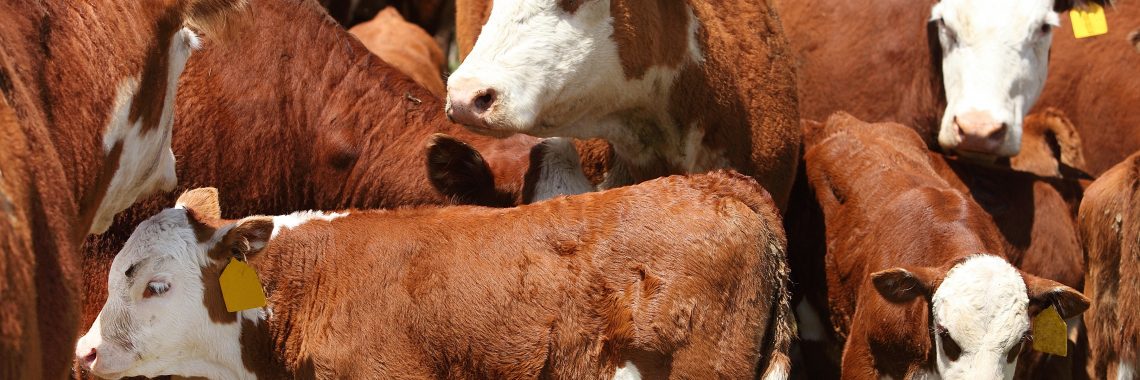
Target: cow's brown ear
203	200
457	170
249	236
902	285
218	19
1044	293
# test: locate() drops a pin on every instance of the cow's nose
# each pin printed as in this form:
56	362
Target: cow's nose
468	102
980	132
86	359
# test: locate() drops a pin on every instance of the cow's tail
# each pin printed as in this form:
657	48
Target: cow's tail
781	332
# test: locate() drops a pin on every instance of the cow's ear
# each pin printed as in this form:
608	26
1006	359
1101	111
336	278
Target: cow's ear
203	200
457	170
902	285
1066	5
1044	293
218	19
248	236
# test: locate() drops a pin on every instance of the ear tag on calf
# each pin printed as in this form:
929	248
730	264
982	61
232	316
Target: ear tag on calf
1088	21
1050	334
241	288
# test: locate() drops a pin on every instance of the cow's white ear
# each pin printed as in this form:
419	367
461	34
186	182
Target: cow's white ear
203	200
936	11
248	236
1044	293
902	285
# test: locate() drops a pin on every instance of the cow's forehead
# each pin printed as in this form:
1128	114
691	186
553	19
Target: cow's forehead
991	15
982	299
167	235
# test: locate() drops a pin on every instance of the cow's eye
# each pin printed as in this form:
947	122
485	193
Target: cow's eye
948	33
155	288
949	346
1046	29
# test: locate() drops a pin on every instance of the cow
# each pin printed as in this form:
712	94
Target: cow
588	286
320	129
918	281
662	82
404	45
963	73
1093	80
85	113
1110	226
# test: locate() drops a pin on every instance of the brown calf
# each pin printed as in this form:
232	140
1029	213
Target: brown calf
680	277
405	46
914	267
87	96
1110	225
322	129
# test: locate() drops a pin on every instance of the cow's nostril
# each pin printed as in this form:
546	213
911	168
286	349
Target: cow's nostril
90	357
484	101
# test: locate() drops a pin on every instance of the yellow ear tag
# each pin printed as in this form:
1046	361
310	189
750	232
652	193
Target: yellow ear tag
1050	334
241	289
1088	21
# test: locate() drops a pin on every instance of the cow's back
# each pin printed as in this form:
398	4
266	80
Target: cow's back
1109	224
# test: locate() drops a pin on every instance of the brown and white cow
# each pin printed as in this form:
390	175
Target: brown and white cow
917	276
406	46
963	73
1110	226
85	114
322	129
675	87
590	286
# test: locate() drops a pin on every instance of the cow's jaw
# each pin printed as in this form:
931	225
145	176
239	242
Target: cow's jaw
172	333
144	162
982	305
994	63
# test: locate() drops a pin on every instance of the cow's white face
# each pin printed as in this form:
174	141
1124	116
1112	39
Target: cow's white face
535	62
981	319
157	319
145	157
995	57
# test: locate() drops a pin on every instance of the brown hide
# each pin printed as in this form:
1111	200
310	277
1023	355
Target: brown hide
1094	81
405	46
886	206
61	64
299	115
591	281
1110	225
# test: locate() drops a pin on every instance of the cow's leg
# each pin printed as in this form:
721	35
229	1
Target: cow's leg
555	170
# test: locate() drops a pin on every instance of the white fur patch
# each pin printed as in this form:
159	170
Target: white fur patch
995	61
779	371
146	163
1125	371
293	220
627	371
560	171
982	303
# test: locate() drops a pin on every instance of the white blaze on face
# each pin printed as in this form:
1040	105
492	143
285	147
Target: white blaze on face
981	317
995	57
146	162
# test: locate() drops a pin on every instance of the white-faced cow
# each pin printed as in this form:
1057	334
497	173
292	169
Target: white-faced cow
86	111
591	286
674	86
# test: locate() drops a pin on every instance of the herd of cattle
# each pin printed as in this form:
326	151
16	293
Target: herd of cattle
857	189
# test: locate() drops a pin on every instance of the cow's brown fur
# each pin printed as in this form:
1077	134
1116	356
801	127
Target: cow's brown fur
279	122
866	174
470	16
1110	226
405	46
594	281
61	64
1049	143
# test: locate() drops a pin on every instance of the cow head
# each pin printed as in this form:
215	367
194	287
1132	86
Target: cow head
980	310
557	67
136	136
995	56
164	313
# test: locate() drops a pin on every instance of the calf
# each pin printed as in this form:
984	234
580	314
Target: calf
86	105
404	45
963	73
591	286
1110	225
663	82
323	129
917	278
